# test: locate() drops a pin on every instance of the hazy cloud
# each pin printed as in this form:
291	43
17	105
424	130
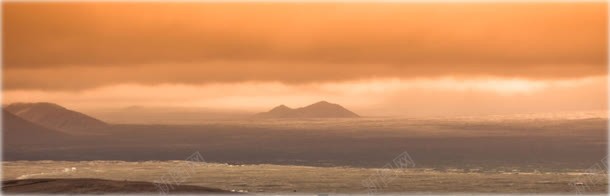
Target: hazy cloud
83	45
414	97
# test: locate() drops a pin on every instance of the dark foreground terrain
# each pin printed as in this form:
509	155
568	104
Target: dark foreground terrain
93	186
283	179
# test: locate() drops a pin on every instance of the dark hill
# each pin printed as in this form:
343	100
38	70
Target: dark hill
320	109
16	130
56	117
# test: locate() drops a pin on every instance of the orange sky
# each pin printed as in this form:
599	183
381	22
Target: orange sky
380	59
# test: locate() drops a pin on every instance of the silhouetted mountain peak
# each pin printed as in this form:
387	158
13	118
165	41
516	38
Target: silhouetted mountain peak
322	109
281	108
23	106
323	103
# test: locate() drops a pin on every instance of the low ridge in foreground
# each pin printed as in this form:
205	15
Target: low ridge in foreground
94	186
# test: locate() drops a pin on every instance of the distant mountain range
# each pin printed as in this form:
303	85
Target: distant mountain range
34	121
320	109
55	117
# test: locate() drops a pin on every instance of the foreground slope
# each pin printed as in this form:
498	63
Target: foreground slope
267	179
56	117
93	186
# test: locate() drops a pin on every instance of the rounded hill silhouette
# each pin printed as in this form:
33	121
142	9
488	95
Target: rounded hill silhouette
320	109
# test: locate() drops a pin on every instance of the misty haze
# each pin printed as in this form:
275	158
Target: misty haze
305	98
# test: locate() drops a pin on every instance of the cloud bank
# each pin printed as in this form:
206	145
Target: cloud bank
75	46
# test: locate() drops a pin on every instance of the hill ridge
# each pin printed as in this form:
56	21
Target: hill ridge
54	116
320	109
